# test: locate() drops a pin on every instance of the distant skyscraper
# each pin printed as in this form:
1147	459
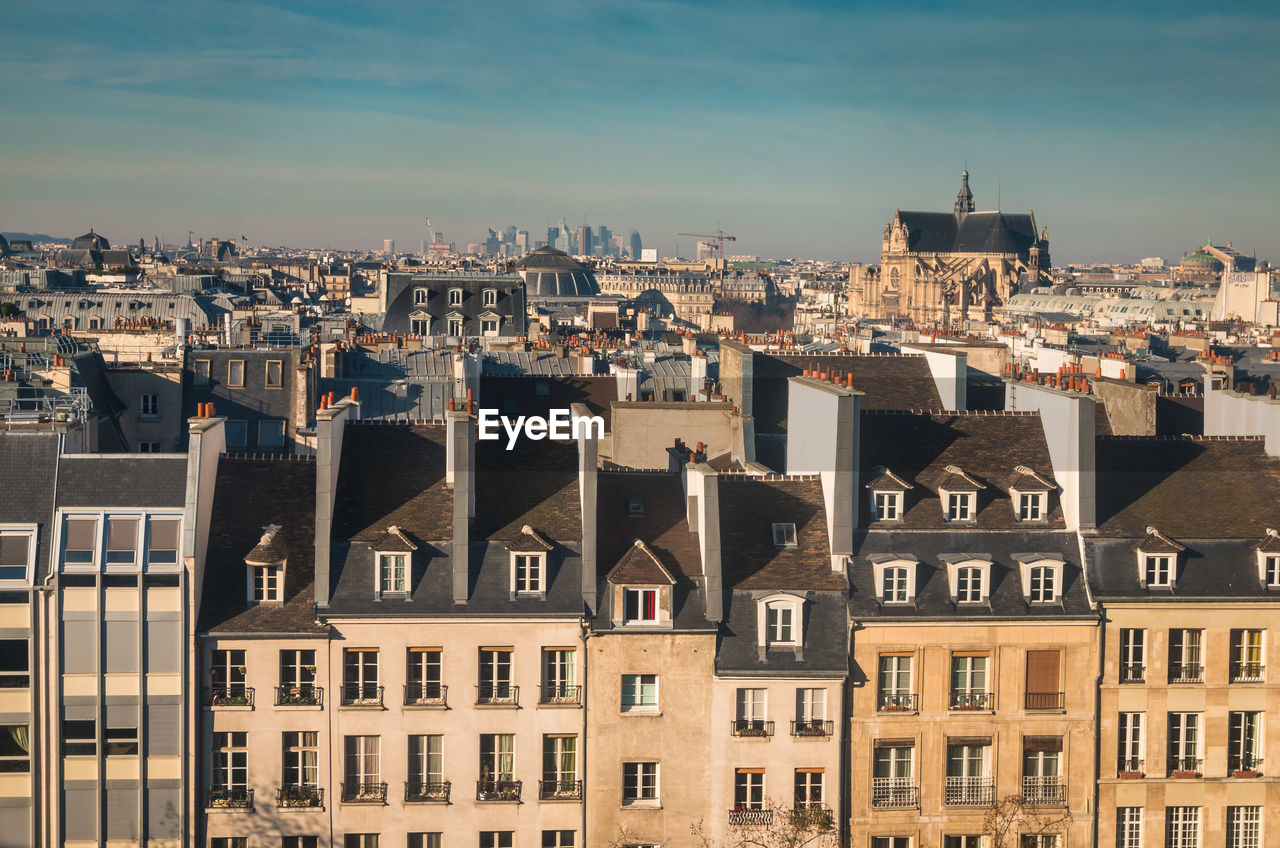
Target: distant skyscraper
388	247
602	239
636	246
582	241
522	242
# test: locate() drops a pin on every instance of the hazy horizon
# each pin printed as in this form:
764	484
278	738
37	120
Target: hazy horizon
1130	133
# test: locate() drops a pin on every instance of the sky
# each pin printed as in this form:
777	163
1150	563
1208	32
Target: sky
1131	130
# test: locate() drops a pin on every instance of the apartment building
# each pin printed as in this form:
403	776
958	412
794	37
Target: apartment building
1185	565
973	638
265	394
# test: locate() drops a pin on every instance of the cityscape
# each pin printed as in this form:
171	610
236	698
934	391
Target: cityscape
885	454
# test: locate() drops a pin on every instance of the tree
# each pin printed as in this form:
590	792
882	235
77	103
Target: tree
1010	819
775	825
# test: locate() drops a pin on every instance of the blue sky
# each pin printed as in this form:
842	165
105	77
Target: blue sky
1131	131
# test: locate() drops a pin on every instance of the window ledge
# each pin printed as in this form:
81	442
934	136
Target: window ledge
641	805
634	712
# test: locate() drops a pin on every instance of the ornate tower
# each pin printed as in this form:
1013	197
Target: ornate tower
964	197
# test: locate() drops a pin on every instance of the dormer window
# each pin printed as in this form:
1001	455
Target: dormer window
16	548
969	584
266	582
420	296
887	505
1158	560
529	563
895	585
960	506
959	494
640	587
784	535
455	326
1031	505
1159	570
969	577
887	495
1271	571
640	606
1269	560
393	554
455	297
895	578
779	622
1030	494
1041	578
266	564
490	297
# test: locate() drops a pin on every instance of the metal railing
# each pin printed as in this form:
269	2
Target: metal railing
969	792
813	727
300	796
1129	765
360	792
560	693
433	790
888	792
1186	673
301	695
1184	765
1247	762
232	797
812	815
1133	673
361	695
1044	791
559	790
235	695
750	818
751	728
896	702
1046	700
499	790
424	694
1247	672
503	694
969	699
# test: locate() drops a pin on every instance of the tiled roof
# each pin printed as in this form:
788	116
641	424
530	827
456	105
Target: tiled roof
1156	542
536	483
30	463
885	479
1189	488
988	447
529	540
662	527
129	480
639	565
749	507
393	474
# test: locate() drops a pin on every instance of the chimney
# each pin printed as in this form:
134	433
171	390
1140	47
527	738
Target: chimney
697	375
207	441
460	475
588	449
330	424
823	439
702	489
1069	424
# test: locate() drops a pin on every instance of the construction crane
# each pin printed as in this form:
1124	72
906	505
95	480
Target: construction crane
717	240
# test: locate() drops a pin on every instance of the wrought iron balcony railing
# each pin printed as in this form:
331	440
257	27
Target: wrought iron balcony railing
292	795
436	791
894	792
1247	672
232	797
812	815
751	728
897	702
299	695
499	790
1184	766
1129	766
498	694
1044	791
1133	673
1248	762
1046	701
560	693
813	727
971	699
968	792
423	694
364	792
234	695
750	818
1186	673
560	790
361	695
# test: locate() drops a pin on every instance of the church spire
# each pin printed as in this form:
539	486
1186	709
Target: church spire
964	197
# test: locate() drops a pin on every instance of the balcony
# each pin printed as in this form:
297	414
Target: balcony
896	702
234	695
812	727
1184	767
229	798
812	815
1046	791
301	695
433	791
739	817
498	695
424	694
751	728
559	790
560	694
1130	768
1046	701
1186	673
294	797
499	790
969	792
361	695
1248	672
971	699
1133	673
890	793
1246	766
363	792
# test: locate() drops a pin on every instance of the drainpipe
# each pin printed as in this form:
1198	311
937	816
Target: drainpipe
584	633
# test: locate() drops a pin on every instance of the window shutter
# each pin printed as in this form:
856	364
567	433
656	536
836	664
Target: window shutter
163	726
122	534
122	814
1042	672
79	533
14	549
122	646
1051	744
79	651
15	824
80	814
163	819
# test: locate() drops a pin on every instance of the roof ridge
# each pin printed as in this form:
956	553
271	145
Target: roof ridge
275	457
377	422
960	413
1184	437
747	475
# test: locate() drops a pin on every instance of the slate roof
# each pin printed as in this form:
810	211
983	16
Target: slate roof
887	382
250	494
825	639
1220	569
933	593
523	395
393	474
536	483
972	232
663	527
30	464
1189	488
749	506
640	566
987	446
128	480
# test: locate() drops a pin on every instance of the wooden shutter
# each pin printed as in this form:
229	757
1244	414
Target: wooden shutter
1042	672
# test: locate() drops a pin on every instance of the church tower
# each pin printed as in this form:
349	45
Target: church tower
964	197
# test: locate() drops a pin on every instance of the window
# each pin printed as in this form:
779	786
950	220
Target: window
148	447
301	759
495	675
275	373
969	585
639	693
968	779
1182	827
640	606
1244	827
227	674
784	535
639	783
496	838
751	713
811	708
201	373
1040	840
1246	656
1044	584
420	296
1184	656
968	841
79	541
360	840
15	748
969	682
15	668
893	783
780	623
527	573
360	677
122	541
559	675
237	433
121	741
162	540
888	505
1244	741
455	297
235	373
891	842
15	554
1031	506
392	574
490	297
228	842
895	682
960	506
748	789
426	764
1184	742
557	839
489	326
560	767
266	582
895	585
1128	827
1133	655
1159	572
270	434
299	842
1044	687
423	678
362	775
455	326
1130	743
149	406
1271	572
79	738
230	777
497	757
297	669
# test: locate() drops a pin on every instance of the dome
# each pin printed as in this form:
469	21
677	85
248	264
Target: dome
90	241
550	272
1202	260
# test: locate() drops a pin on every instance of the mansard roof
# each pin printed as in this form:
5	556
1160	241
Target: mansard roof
393	474
749	507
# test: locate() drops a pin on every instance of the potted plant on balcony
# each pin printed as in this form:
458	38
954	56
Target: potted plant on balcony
1184	773
1132	774
507	790
1245	772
